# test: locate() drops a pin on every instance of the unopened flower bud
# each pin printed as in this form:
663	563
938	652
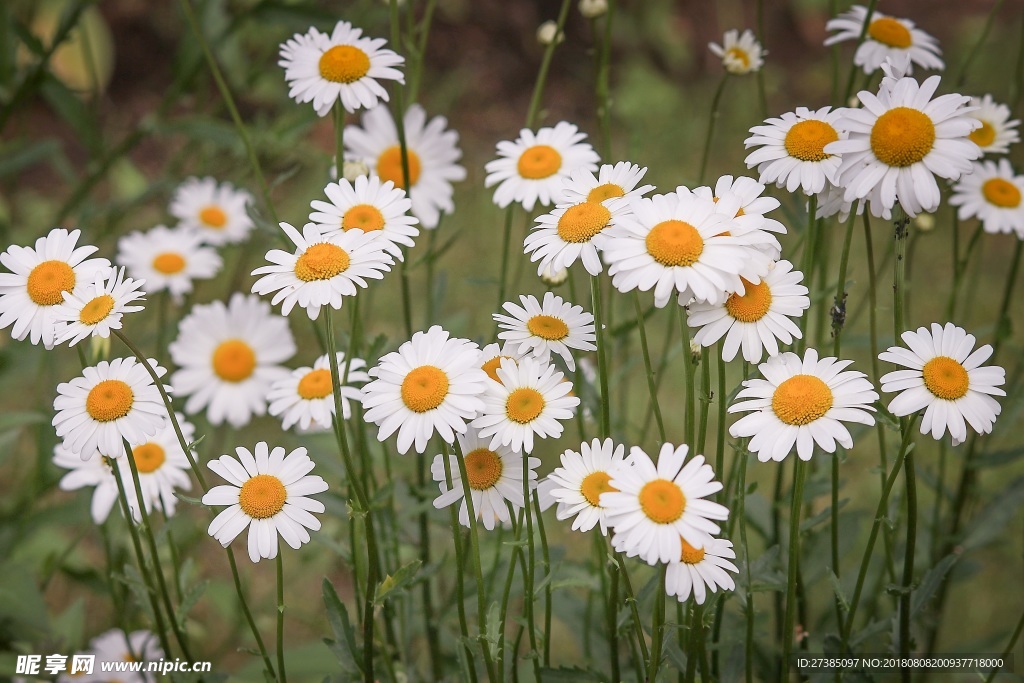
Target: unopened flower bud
350	170
548	33
552	277
925	222
591	9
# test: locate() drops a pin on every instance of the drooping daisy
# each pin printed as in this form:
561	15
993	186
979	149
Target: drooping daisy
741	54
996	133
552	327
578	484
494	475
109	402
215	211
655	508
168	259
95	472
96	308
269	493
701	568
323	270
571	232
229	356
620	180
306	396
801	403
791	150
900	140
992	194
115	647
39	277
367	205
491	355
757	319
535	166
946	379
432	383
530	399
338	67
432	152
886	37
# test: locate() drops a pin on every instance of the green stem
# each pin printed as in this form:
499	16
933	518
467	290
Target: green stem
808	265
657	626
793	566
1009	648
460	587
848	92
280	618
910	478
976	48
602	91
339	141
602	357
690	418
545	552
722	416
715	101
421	49
748	606
505	244
528	573
545	66
762	94
268	666
608	573
839	302
652	387
705	399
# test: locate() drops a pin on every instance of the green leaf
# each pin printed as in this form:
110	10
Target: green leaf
21	603
930	583
396	583
990	524
344	644
189	600
837	588
817	519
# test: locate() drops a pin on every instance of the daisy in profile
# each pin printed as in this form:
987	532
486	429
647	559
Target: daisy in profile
38	279
552	327
116	647
215	211
886	37
699	569
323	270
655	508
491	355
94	309
619	181
996	133
94	472
992	194
757	319
534	167
306	396
947	379
494	475
341	66
268	492
583	476
432	151
109	402
432	383
801	403
168	259
368	205
531	398
791	149
741	54
229	356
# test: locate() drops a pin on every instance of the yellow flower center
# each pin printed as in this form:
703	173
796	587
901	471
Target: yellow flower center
801	399
321	262
547	327
213	216
662	501
262	496
365	217
97	309
1001	193
594	484
389	166
902	136
344	64
580	223
752	305
168	263
524	405
691	555
48	281
491	367
483	469
149	457
946	378
674	243
603	192
983	136
316	384
806	140
109	400
425	388
539	161
739	55
234	360
889	31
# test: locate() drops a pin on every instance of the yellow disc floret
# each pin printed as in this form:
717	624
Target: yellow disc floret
605	191
1001	193
801	399
234	360
169	263
674	243
424	388
149	457
524	405
691	555
984	135
48	281
902	137
547	327
594	484
806	140
344	64
662	501
96	310
213	216
316	384
946	378
321	261
539	161
365	217
262	497
891	32
580	223
483	469
389	166
752	305
109	400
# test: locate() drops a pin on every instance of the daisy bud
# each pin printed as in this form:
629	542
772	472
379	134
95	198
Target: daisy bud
591	9
548	33
100	346
552	277
695	351
350	170
925	222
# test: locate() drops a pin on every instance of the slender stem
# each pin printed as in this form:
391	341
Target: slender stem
528	573
460	584
546	559
900	223
705	399
848	92
657	625
505	244
910	478
545	66
339	140
652	386
421	49
1009	648
722	416
248	614
839	302
715	101
693	647
280	618
976	48
602	91
429	620
762	94
602	357
808	264
748	605
688	372
793	565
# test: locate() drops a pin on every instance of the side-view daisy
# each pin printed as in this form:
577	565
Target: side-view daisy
996	133
618	181
552	327
368	205
306	396
168	259
216	211
96	308
886	37
791	149
583	476
741	54
701	568
95	472
992	194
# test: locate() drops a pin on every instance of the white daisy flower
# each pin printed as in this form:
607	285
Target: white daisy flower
534	167
996	133
323	270
39	277
753	207
886	37
109	402
432	383
757	319
215	211
946	379
432	151
93	472
791	150
168	259
338	67
530	399
900	140
656	508
741	54
800	403
229	356
701	568
306	396
552	327
96	308
832	202
571	232
368	205
114	647
491	355
618	181
578	484
269	493
494	475
992	194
